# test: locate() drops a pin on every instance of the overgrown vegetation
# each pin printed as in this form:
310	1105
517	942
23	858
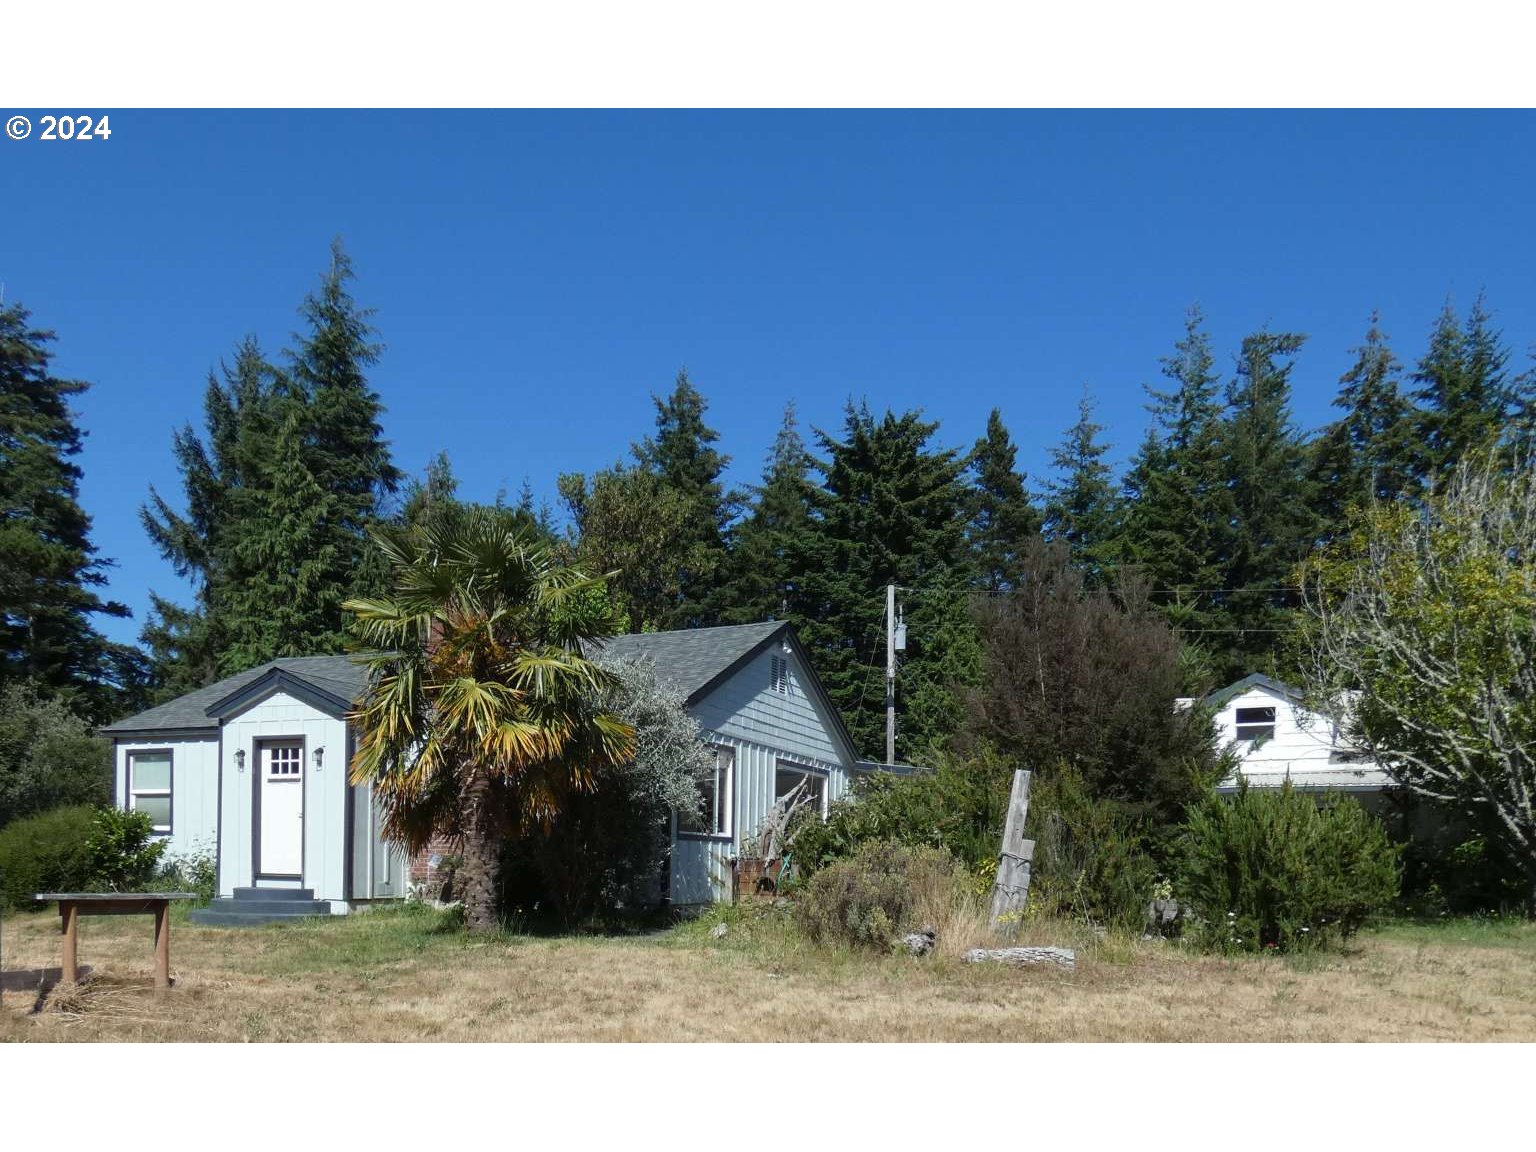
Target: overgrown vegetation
882	890
77	849
1276	869
49	757
603	854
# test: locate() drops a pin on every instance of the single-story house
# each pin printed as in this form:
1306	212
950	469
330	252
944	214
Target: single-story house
254	769
1279	739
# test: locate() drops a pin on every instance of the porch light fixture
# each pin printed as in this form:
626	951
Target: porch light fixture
240	759
319	756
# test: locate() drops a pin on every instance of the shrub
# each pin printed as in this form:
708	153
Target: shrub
1277	869
77	849
196	871
124	854
1093	860
45	853
881	891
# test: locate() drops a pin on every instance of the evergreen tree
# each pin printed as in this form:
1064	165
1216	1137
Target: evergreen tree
1003	518
1463	392
760	574
682	455
1369	452
280	492
51	570
1273	522
1082	508
889	509
1177	506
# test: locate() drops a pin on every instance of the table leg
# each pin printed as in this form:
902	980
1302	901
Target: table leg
71	917
163	944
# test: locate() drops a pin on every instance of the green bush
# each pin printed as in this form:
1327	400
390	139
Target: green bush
77	849
1093	860
883	890
124	854
45	853
1279	870
49	757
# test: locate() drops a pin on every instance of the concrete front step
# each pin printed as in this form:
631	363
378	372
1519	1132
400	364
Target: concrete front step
274	893
216	918
244	907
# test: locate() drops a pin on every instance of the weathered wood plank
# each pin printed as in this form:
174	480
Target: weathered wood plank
1058	957
1010	891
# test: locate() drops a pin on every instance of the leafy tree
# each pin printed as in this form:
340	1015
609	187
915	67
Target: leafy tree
1368	453
1463	391
479	718
1274	524
760	574
1090	676
50	579
1178	510
1421	632
889	510
48	756
1003	518
682	455
630	523
1082	508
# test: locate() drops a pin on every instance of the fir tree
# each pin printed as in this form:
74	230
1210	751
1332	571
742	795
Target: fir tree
1462	391
760	574
1273	522
682	454
1003	518
1177	508
51	570
889	509
1369	452
280	492
1082	508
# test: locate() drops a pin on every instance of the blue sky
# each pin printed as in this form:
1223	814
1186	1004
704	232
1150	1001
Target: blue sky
538	275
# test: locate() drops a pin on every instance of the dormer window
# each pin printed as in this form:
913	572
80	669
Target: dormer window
1255	725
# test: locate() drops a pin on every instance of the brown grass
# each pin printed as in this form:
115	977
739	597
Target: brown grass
389	976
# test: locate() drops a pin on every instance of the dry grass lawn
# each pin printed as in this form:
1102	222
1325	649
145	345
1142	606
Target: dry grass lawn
390	975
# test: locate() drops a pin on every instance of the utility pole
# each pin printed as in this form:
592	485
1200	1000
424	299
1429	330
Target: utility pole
890	673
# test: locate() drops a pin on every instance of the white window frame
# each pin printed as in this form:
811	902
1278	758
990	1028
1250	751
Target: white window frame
1255	732
804	770
133	793
721	825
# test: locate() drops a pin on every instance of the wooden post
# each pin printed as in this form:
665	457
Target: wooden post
1010	891
163	944
71	918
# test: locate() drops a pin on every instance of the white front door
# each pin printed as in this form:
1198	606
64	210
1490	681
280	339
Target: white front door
281	819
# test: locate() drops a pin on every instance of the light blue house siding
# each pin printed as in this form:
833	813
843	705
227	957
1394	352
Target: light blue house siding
772	722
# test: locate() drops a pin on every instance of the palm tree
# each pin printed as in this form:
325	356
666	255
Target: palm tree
479	717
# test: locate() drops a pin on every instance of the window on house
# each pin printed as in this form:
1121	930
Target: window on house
149	787
713	817
1255	725
800	785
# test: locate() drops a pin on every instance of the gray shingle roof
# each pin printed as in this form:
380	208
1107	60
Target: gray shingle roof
337	675
693	659
1257	680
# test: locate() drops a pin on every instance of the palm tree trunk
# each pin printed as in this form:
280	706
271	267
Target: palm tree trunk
482	826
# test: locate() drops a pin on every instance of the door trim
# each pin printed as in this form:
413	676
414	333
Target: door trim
257	743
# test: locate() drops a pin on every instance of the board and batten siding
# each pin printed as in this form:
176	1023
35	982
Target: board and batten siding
194	788
326	794
766	727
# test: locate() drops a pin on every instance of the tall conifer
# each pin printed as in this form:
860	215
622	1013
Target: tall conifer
1003	518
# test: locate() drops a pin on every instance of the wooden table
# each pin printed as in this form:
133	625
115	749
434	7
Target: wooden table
73	905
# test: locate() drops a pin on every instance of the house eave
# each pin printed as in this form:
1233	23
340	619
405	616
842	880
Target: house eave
280	680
